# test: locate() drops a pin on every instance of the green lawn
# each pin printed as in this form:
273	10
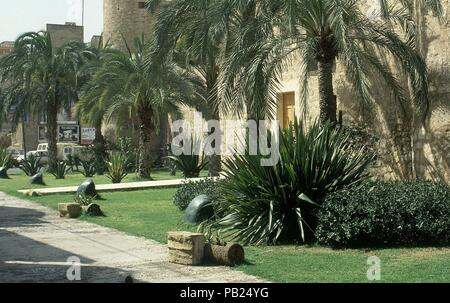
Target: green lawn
150	213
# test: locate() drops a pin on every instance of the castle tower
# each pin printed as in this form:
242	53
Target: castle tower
125	20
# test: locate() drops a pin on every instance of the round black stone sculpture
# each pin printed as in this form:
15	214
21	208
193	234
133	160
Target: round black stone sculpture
87	188
37	179
199	209
3	173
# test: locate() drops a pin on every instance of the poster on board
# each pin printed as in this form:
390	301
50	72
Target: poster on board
87	135
68	133
42	134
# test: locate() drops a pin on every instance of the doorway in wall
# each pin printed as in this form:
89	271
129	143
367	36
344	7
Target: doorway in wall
288	108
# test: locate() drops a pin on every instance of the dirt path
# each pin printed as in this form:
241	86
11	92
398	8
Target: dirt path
35	245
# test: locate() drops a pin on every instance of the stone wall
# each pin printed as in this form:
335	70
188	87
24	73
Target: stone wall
62	33
124	20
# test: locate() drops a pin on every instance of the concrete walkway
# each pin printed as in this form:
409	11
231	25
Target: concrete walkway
35	245
112	187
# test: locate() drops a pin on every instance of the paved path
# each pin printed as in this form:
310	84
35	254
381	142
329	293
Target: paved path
113	187
35	245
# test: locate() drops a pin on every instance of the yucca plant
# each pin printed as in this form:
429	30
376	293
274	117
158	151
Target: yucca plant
89	167
60	170
117	167
31	165
269	205
5	158
190	165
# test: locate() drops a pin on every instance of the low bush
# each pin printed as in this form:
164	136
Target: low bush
31	165
386	213
191	189
117	167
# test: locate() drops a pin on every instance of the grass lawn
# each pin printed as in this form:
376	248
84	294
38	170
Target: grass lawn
150	213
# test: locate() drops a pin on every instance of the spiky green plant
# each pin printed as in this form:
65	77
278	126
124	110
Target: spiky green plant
5	159
117	167
60	170
31	165
192	164
268	205
89	167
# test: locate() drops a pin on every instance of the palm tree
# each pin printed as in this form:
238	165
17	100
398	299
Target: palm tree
187	31
319	32
132	81
38	78
91	105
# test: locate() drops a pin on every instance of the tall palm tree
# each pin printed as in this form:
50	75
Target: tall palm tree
132	81
319	32
39	78
187	31
92	106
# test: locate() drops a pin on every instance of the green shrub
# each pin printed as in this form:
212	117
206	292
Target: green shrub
117	167
89	167
5	159
31	165
191	189
189	165
84	199
124	146
267	205
60	170
387	213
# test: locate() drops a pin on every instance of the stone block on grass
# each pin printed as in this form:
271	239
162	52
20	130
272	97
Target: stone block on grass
185	248
37	179
73	210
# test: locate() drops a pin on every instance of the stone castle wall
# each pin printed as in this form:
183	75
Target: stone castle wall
124	20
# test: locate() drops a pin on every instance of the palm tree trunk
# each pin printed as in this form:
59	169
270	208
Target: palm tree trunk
52	125
146	127
215	161
327	99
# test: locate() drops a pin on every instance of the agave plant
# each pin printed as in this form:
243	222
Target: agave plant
31	165
5	158
60	170
117	167
190	164
89	167
268	205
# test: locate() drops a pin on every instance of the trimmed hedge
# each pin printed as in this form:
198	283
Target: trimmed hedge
386	214
191	189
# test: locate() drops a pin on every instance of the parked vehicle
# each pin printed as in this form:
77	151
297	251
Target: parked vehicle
17	155
63	150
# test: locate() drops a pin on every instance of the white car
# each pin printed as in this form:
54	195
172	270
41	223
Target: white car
63	151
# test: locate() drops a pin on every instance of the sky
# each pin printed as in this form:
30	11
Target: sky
20	16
